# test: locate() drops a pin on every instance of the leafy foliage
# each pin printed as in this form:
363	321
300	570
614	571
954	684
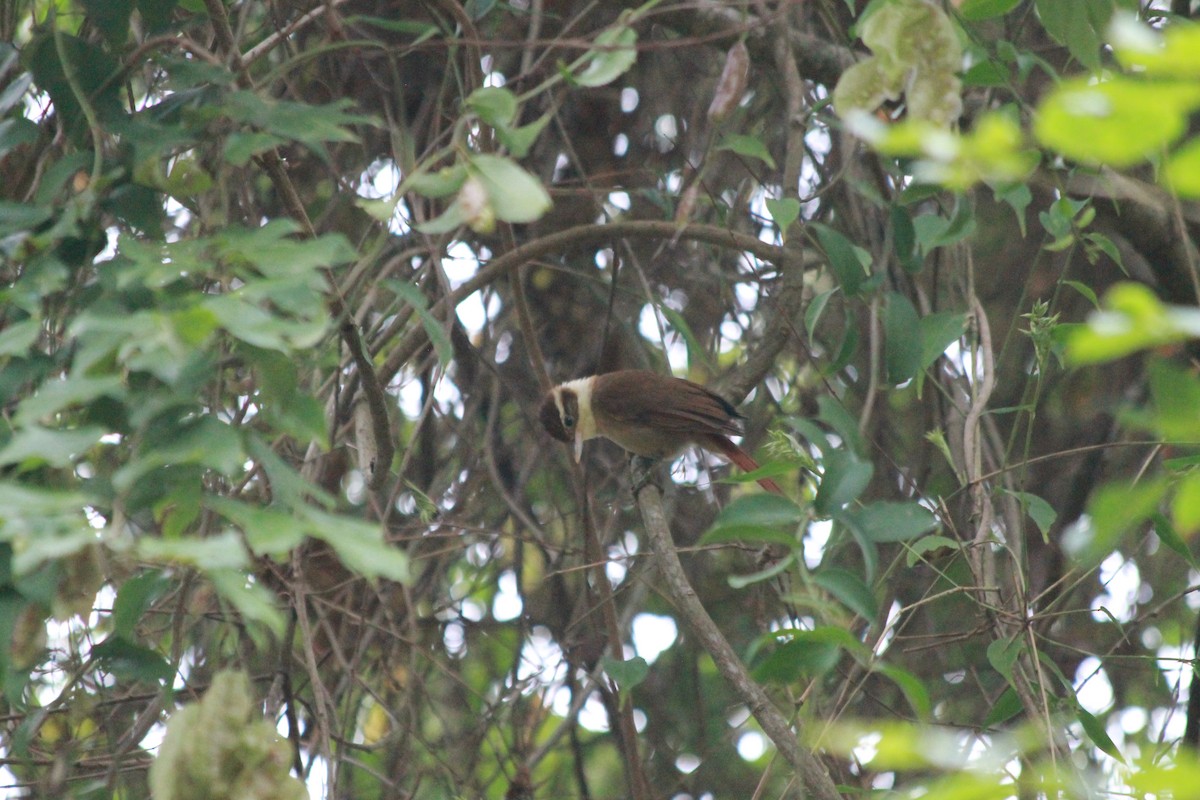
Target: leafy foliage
281	286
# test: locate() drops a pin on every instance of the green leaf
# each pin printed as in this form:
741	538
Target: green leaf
1171	52
205	441
19	131
35	446
360	545
276	252
441	183
478	9
111	17
988	74
848	262
812	314
1185	505
156	14
18	217
268	531
1125	121
613	54
903	343
42	525
496	106
904	239
287	406
252	600
306	123
1170	537
1061	218
695	350
770	469
12	605
95	74
287	486
784	212
752	147
758	518
222	551
1182	463
131	662
1054	669
1007	706
1041	512
1176	394
850	590
887	521
1017	197
845	351
811	432
1154	778
515	194
1084	290
1078	25
17	338
976	10
770	571
844	479
1133	318
938	331
520	140
451	219
241	146
626	674
1094	728
807	654
932	543
18	500
831	411
1096	244
434	328
134	598
246	320
1112	510
54	396
933	231
49	545
937	438
915	691
39	586
1002	654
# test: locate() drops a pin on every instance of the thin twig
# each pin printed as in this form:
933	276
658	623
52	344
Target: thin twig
275	39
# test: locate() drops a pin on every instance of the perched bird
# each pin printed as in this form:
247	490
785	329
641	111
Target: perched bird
647	414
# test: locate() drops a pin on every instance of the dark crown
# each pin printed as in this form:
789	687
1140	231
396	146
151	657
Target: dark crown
551	420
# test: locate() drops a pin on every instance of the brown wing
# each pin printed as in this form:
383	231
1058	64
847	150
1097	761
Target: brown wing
648	399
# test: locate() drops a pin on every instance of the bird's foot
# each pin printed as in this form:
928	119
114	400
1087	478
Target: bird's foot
641	470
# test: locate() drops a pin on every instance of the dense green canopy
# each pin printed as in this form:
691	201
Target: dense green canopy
283	284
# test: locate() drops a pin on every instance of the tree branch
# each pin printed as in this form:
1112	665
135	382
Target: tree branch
817	782
575	237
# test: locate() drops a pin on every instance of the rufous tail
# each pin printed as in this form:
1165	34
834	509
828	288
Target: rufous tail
742	460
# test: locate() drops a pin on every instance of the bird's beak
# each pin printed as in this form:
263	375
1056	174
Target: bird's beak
578	446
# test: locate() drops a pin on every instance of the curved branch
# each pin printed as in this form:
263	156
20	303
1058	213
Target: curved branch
817	782
817	58
574	237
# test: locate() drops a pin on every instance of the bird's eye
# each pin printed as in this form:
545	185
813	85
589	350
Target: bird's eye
568	421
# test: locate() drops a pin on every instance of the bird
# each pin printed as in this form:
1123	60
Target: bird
650	415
